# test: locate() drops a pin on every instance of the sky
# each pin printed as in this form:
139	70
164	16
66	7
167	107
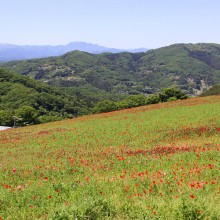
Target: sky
112	23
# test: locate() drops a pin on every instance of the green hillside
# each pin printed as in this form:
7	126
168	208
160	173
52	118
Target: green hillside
34	101
152	162
193	67
28	101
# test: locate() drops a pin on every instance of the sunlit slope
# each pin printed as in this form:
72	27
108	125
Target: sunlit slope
193	67
149	162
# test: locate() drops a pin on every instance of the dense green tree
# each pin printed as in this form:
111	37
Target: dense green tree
27	114
132	101
49	101
152	99
105	106
173	93
136	100
6	118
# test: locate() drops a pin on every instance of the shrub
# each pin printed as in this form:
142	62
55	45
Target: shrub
152	99
6	118
105	106
27	114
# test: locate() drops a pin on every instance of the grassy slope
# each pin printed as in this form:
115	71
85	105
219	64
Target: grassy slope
155	162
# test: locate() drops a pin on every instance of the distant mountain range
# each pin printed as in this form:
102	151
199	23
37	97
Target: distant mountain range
192	67
10	52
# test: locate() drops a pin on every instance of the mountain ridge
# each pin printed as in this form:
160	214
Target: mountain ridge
9	52
191	67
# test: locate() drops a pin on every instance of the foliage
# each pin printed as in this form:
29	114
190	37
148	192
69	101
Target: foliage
168	94
132	101
171	94
215	90
36	102
152	99
105	106
6	118
32	101
27	114
192	67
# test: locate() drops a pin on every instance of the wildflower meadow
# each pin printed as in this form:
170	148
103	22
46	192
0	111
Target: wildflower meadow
153	162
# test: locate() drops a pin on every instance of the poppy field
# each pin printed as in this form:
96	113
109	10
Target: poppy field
153	162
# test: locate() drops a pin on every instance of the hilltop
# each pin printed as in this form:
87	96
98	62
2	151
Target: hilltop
192	67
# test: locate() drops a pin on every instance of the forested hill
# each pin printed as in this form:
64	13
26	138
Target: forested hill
193	67
33	101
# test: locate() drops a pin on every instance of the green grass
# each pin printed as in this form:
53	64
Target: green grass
153	162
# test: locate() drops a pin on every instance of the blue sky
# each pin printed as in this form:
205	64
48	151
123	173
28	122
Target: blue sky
111	23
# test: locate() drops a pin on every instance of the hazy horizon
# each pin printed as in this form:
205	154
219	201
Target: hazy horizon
66	44
120	24
105	45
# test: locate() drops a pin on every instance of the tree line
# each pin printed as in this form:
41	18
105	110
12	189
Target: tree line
166	95
24	101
